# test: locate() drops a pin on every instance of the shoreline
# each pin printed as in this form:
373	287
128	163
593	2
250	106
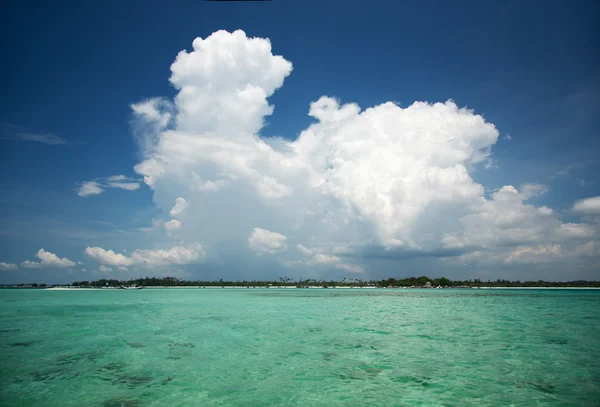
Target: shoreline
318	287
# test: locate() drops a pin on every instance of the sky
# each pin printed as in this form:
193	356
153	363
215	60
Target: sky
258	140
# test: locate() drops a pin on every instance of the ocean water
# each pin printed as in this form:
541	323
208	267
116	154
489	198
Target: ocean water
299	347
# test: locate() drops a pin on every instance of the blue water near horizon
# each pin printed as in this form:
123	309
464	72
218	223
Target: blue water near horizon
299	347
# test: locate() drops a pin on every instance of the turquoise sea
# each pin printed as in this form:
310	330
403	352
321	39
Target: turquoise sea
299	347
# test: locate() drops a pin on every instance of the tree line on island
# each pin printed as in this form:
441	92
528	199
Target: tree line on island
422	281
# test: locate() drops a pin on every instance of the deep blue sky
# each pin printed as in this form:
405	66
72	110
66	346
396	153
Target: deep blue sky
73	68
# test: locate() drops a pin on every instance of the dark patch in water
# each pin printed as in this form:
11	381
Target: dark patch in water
353	346
166	381
349	376
329	356
372	370
370	330
424	381
363	372
213	318
113	367
511	347
557	341
182	345
313	329
180	350
48	374
122	403
10	330
74	358
23	344
543	387
134	380
136	345
17	379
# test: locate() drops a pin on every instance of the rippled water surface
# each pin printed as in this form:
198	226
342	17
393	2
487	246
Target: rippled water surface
299	347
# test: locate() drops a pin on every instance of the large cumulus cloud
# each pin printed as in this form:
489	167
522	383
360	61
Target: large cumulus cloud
398	179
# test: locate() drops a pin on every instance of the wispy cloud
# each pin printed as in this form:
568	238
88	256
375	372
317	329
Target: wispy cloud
129	186
562	173
12	132
97	186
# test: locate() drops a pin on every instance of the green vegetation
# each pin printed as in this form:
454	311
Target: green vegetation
343	282
422	281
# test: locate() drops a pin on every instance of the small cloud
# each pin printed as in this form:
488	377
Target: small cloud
562	173
114	178
129	186
89	188
12	132
179	208
491	164
341	250
304	250
565	171
97	186
265	241
352	268
172	225
176	255
48	259
588	206
326	259
532	190
507	136
8	266
104	269
156	225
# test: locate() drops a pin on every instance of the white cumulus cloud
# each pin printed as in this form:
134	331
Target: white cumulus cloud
172	225
89	188
8	266
265	241
588	206
179	208
48	259
107	256
177	255
389	177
